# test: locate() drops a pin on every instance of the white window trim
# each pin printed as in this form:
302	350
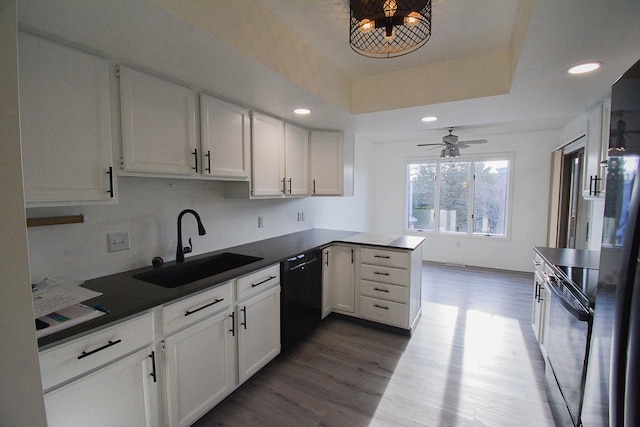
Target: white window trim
510	156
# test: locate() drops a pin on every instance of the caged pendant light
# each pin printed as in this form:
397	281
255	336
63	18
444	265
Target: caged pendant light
389	28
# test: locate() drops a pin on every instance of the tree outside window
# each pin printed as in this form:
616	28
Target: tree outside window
463	197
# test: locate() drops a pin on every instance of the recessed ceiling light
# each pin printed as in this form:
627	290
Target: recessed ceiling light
302	111
429	119
586	67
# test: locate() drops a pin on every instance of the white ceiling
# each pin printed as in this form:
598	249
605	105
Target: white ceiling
541	95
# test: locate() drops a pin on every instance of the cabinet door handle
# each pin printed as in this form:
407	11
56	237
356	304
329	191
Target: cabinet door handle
290	185
327	260
89	353
244	312
381	306
382	256
195	156
381	290
208	156
314	186
190	312
352	252
536	294
110	173
253	285
380	273
153	366
233	324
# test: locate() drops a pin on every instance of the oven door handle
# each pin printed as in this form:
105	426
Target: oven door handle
574	307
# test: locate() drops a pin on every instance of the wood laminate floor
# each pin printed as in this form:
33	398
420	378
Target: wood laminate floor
472	361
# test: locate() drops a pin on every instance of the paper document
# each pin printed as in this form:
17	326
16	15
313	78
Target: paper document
65	318
52	294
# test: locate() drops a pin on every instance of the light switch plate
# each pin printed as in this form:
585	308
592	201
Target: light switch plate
260	221
118	241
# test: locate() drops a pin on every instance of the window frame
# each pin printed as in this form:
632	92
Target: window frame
473	159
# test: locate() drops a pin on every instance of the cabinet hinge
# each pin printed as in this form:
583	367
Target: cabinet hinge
118	71
121	162
163	346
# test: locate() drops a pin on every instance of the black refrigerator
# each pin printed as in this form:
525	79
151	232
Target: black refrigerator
612	388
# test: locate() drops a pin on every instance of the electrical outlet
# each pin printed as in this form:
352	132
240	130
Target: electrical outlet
260	221
118	241
299	216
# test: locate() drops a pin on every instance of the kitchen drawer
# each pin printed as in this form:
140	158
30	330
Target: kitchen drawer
68	360
384	291
376	273
384	257
387	312
195	308
257	282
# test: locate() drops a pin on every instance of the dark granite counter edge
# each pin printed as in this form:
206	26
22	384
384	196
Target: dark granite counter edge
125	296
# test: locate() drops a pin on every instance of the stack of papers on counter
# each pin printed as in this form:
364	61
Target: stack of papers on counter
57	305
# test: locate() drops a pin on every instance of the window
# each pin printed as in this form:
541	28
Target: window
467	196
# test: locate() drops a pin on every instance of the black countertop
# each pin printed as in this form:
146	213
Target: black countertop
563	257
125	296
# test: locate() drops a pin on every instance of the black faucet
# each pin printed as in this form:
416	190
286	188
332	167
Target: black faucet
180	250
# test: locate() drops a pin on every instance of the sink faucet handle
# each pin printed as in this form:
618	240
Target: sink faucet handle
188	249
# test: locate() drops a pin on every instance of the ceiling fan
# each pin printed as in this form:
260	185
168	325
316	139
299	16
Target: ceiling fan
452	145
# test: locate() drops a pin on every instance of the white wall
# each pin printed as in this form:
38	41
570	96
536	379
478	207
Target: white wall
148	210
531	169
21	402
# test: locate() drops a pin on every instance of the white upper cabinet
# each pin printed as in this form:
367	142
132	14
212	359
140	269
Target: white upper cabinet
331	163
65	124
267	156
225	133
158	125
296	160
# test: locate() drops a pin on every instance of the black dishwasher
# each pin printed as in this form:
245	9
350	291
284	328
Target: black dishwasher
300	297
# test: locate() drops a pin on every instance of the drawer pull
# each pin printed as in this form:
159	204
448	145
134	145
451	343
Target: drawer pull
89	353
381	290
381	306
188	312
382	256
253	285
380	274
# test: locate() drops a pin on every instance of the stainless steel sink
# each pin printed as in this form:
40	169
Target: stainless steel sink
181	274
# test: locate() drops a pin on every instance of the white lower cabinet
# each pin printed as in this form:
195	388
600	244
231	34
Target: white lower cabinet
215	341
258	328
117	367
342	264
379	284
390	286
124	393
200	368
